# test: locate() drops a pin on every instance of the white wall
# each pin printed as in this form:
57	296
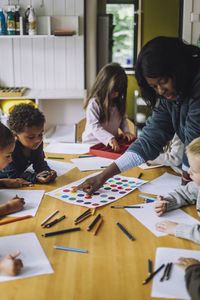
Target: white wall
191	21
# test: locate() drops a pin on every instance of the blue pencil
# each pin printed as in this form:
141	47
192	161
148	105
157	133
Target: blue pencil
70	249
124	230
148	197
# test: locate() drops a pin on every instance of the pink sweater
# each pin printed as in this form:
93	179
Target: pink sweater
95	132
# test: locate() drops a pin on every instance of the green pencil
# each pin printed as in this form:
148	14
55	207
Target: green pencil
51	157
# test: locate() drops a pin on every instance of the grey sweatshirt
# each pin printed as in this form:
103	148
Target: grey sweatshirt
186	195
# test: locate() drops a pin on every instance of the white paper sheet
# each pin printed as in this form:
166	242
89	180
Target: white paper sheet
174	287
59	166
67	148
148	217
32	200
91	163
161	185
113	189
144	166
32	255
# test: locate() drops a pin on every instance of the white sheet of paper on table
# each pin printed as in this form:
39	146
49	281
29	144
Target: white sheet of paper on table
67	148
174	287
59	166
115	188
91	163
32	200
161	185
144	166
32	255
148	217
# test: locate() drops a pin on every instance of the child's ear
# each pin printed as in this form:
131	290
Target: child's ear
15	135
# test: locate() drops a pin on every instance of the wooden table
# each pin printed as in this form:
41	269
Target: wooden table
113	268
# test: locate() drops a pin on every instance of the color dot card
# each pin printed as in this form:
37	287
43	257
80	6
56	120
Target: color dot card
113	189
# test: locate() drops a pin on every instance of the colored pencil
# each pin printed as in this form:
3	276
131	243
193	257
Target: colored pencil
94	222
61	231
51	157
127	206
153	274
70	249
98	225
148	197
168	273
140	175
48	225
149	266
82	156
125	231
83	218
49	217
83	214
15	219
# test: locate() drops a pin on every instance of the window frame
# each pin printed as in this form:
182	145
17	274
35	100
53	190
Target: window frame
135	33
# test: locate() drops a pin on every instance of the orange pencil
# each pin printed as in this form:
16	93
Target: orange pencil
98	225
15	219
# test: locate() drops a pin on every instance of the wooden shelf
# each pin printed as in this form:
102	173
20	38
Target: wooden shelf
51	94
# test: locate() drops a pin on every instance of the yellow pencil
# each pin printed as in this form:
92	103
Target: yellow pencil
98	225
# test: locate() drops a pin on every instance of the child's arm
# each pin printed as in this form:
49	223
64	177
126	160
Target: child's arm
13	205
125	129
14	182
10	265
192	275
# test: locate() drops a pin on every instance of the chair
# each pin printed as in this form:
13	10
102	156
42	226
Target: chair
80	127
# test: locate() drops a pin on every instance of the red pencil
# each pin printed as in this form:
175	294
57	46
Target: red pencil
15	219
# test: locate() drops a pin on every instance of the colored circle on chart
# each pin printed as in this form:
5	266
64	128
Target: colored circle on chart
120	187
103	201
128	189
118	182
124	180
133	186
73	187
64	196
87	202
66	191
96	193
114	190
80	195
113	185
111	198
79	201
57	194
106	183
138	183
95	204
72	199
88	197
125	184
111	180
122	192
131	182
103	195
117	178
107	188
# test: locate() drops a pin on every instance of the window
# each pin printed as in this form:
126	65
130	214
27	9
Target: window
124	34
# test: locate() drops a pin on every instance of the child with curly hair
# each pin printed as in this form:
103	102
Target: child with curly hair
27	124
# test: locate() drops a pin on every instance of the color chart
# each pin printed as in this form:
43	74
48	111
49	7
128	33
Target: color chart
113	189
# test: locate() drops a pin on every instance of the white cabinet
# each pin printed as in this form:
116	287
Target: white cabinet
191	21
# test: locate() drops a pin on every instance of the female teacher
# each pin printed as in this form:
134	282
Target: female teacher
168	74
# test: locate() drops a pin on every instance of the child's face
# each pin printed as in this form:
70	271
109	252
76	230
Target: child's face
5	155
31	137
194	169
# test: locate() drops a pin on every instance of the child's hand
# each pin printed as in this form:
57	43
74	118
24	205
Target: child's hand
15	204
114	144
185	262
15	182
46	176
10	266
167	227
129	136
160	206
